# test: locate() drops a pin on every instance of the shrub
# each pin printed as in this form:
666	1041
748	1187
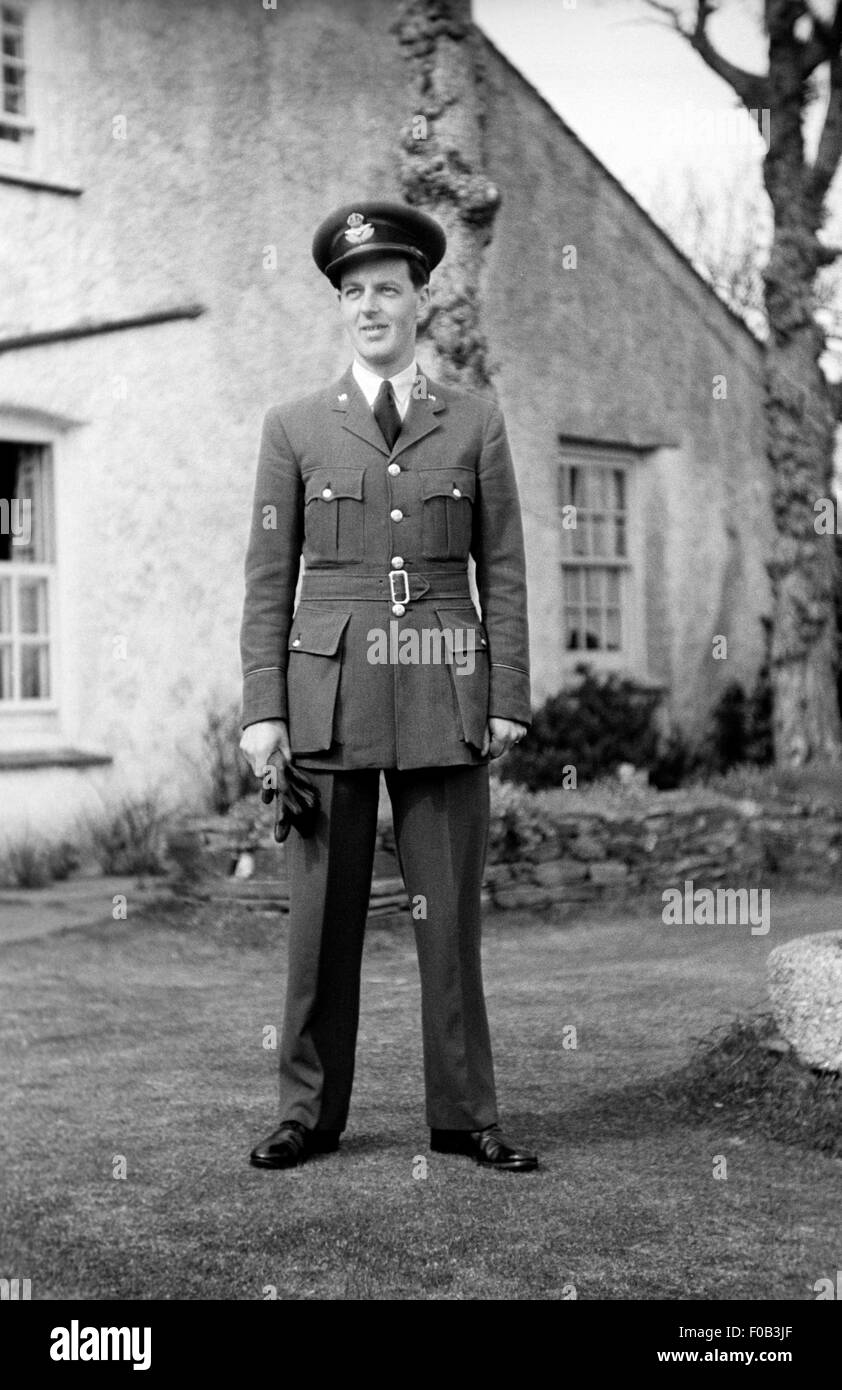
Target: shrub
63	858
518	824
34	862
593	727
229	774
130	837
27	863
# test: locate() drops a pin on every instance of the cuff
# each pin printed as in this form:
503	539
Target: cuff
509	696
264	695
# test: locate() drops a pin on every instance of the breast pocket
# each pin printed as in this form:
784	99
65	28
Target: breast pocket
334	515
447	512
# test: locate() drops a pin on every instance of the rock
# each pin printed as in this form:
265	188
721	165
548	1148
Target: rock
524	895
805	987
610	871
587	847
559	872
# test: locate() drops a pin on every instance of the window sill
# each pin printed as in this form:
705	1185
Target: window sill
17	760
10	174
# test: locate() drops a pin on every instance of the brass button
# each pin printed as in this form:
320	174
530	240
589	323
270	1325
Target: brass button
396	562
456	492
327	492
394	469
296	641
398	609
397	514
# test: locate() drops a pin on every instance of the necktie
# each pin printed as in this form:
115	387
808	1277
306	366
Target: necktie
386	413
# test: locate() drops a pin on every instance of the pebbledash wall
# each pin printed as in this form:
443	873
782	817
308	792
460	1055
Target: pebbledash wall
144	330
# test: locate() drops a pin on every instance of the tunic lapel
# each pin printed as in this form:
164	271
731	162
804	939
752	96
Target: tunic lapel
356	416
420	420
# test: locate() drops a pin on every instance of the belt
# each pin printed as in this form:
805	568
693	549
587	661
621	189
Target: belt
397	587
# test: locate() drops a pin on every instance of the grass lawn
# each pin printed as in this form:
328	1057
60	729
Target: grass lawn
144	1039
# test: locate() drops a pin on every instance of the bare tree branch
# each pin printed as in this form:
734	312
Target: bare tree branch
752	89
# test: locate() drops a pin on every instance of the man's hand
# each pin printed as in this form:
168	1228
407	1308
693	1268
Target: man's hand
261	740
501	735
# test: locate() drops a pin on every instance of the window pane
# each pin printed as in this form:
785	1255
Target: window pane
593	585
593	629
612	588
5	671
573	581
32	606
5	605
572	640
620	538
612	630
599	490
26	531
34	673
619	489
599	536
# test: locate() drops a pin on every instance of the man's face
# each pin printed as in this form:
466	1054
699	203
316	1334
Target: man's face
380	309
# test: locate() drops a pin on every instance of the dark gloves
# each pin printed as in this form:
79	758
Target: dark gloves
297	801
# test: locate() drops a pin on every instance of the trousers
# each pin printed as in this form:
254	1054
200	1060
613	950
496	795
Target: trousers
441	832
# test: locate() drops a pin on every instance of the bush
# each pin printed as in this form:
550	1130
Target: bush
33	862
130	837
518	824
594	727
229	774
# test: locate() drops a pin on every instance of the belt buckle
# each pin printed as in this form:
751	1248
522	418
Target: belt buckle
399	574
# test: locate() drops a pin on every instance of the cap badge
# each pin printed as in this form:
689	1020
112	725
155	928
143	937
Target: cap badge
358	229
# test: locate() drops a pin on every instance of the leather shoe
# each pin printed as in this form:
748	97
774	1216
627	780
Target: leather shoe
489	1147
292	1143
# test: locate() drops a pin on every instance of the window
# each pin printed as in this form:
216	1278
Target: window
27	575
13	109
597	595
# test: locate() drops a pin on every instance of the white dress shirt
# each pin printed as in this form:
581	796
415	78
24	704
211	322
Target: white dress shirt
369	383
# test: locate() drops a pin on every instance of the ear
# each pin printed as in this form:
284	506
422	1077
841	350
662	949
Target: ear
423	301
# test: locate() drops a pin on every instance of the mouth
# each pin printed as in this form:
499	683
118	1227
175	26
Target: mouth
373	330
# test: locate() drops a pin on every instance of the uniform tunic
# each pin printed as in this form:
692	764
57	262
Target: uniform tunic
330	490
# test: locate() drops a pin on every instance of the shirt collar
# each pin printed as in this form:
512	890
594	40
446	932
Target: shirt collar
369	382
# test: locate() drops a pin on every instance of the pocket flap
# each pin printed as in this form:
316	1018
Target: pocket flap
449	482
330	483
461	619
319	633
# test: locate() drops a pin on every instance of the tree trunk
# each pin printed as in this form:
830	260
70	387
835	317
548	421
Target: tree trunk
801	430
442	161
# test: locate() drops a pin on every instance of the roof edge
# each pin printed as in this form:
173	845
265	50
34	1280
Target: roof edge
664	236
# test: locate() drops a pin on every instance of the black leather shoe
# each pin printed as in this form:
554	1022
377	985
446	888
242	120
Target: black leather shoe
489	1147
292	1143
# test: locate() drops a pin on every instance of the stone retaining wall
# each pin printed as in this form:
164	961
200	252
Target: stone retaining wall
590	855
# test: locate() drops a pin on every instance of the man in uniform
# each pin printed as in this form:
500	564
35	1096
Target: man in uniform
385	482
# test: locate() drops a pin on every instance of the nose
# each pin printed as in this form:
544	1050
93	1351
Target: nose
369	302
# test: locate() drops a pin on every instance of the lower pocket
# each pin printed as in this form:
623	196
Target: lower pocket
313	669
467	646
